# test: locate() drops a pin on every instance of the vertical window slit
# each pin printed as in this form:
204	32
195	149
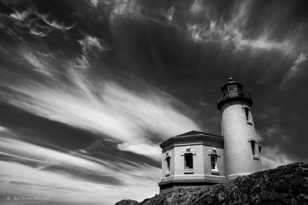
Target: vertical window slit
168	162
214	160
253	143
246	109
260	148
188	158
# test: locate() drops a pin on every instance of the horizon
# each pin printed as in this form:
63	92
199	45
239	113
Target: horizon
89	88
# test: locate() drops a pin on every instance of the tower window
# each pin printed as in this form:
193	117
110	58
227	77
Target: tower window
260	148
246	109
248	115
188	158
253	144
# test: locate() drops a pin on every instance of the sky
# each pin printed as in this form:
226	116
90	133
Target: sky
89	88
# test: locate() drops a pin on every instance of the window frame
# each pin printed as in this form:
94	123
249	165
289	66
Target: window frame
214	155
253	143
191	155
248	117
167	161
186	169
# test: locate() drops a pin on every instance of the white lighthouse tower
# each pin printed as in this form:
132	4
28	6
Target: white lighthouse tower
241	145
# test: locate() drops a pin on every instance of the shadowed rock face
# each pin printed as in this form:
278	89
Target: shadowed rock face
127	202
283	185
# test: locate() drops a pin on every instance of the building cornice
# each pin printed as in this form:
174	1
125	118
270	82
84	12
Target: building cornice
194	137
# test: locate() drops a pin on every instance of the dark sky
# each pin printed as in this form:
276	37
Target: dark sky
88	88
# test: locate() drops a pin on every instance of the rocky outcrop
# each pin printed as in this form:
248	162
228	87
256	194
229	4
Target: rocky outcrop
284	185
127	202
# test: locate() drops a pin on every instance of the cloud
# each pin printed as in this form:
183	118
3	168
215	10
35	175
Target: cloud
234	33
300	59
17	15
125	7
84	179
45	156
90	42
94	2
142	149
38	64
228	34
273	157
2	129
38	24
170	14
196	7
105	107
89	45
54	23
81	63
35	32
52	187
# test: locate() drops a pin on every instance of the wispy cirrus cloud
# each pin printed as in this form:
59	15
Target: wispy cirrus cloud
234	32
89	45
54	23
52	187
38	24
125	7
20	15
104	107
297	64
37	63
90	42
116	111
50	176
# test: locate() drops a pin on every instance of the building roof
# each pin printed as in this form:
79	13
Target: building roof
195	136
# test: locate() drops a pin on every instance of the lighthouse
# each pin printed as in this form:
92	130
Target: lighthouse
197	158
242	147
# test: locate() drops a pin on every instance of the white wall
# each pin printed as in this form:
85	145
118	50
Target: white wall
237	133
220	161
198	159
201	162
165	170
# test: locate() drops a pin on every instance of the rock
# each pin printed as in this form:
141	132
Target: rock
284	185
127	202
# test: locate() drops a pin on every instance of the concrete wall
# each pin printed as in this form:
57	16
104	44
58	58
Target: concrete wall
237	133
